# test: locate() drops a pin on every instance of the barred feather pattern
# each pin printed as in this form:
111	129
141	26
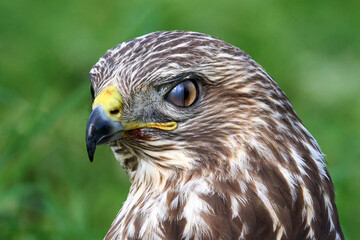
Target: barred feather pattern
240	164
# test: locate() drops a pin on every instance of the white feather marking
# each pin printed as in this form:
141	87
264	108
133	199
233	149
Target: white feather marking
244	231
195	224
174	203
130	230
289	177
262	193
234	207
308	211
299	161
280	233
155	211
330	211
318	158
243	187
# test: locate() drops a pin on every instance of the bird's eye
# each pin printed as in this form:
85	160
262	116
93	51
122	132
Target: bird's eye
183	95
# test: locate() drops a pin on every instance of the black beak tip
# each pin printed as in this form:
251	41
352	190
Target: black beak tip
91	147
91	158
100	130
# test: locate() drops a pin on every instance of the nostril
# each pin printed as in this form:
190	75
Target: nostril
114	112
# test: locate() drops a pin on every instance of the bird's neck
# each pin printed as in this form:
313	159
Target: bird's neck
159	200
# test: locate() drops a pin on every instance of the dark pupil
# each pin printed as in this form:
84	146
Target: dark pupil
186	93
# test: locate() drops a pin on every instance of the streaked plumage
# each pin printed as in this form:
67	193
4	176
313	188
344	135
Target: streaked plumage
239	164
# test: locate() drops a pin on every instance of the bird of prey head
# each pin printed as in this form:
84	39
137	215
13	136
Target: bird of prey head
212	145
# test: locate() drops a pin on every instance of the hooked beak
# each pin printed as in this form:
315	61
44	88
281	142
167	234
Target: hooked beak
100	129
105	124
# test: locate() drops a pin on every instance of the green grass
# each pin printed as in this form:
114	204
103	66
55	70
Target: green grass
49	190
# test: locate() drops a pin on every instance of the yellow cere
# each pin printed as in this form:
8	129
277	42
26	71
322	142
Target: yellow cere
111	101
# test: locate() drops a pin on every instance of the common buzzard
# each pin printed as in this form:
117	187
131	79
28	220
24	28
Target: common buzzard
212	145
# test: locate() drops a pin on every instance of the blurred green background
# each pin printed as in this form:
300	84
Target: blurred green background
48	188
